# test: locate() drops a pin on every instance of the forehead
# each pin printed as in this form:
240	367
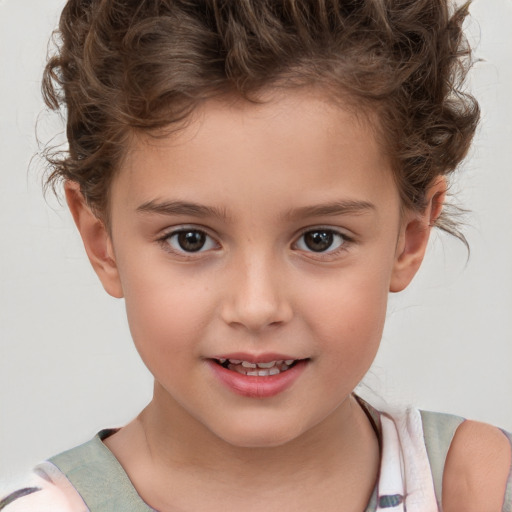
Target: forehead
294	144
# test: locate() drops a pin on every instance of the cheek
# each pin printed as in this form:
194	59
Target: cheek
166	313
347	315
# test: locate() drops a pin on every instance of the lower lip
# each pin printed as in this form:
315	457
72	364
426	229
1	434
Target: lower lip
257	387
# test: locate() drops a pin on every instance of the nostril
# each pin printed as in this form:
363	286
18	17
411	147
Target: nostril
255	315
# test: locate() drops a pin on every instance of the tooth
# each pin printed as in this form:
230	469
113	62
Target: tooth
284	367
222	360
273	371
280	361
266	365
246	364
236	368
263	373
289	361
235	361
254	374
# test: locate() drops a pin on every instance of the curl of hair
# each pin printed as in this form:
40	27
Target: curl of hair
122	66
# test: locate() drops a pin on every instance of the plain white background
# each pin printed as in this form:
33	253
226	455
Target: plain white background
67	365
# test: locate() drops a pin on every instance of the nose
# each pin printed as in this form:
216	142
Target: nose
256	297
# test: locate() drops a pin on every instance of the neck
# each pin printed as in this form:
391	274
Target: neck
177	448
178	438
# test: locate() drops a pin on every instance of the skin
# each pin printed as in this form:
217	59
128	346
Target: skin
262	171
477	466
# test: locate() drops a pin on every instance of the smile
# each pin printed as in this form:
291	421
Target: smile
259	369
261	376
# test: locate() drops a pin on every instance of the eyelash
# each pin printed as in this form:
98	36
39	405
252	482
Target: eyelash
166	244
344	242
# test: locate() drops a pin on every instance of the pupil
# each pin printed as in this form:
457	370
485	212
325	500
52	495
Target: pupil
318	241
191	241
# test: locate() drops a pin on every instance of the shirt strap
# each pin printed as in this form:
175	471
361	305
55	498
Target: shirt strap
507	504
438	430
99	478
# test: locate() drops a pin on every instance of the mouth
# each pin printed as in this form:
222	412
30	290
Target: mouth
257	369
257	376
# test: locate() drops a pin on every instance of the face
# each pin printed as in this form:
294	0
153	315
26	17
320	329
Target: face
255	250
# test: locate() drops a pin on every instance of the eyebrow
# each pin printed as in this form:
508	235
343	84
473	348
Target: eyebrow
182	208
345	207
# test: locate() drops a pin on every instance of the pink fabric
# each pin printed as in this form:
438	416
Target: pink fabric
56	493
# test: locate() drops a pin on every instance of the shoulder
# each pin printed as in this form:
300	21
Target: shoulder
477	468
470	462
46	489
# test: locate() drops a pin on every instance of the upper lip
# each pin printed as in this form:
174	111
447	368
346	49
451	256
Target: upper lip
257	358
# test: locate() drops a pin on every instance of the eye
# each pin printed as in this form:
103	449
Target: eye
190	241
320	240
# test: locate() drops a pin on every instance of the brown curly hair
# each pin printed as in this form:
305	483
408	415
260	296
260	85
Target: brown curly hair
123	66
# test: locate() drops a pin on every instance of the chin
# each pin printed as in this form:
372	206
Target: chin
257	440
259	435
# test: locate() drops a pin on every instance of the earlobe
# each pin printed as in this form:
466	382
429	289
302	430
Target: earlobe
414	235
96	239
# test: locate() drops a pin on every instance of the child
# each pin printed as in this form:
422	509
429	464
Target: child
254	178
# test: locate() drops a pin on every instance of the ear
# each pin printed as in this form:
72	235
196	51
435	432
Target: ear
414	235
96	239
